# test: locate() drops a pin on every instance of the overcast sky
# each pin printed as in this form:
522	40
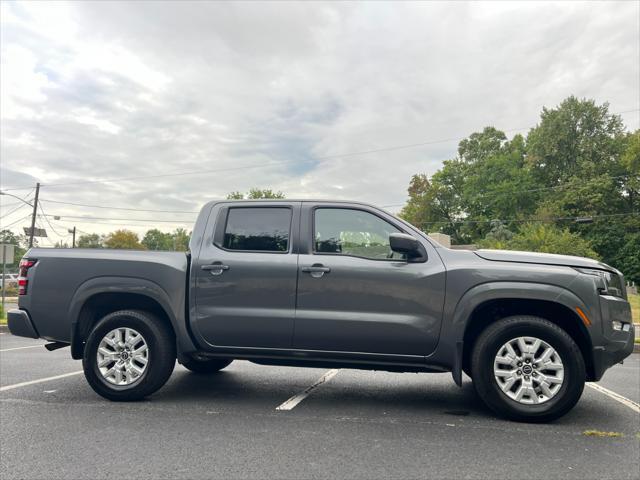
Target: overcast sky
97	90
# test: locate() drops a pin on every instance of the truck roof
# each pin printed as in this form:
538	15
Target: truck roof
294	200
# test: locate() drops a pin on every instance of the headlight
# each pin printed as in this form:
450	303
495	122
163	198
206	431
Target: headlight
612	282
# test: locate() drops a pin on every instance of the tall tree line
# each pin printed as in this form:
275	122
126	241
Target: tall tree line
570	186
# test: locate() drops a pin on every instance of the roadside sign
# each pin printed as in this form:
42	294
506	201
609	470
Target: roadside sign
37	232
7	253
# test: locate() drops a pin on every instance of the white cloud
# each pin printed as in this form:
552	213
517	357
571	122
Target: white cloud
88	117
22	85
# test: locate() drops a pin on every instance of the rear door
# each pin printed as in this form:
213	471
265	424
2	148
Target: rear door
246	276
355	294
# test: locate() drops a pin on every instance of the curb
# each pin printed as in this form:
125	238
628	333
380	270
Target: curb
4	328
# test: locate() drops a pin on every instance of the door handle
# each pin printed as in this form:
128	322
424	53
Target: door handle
215	268
316	270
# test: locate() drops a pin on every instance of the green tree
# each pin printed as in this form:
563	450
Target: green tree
436	204
256	193
578	138
498	237
180	239
543	237
585	163
123	239
499	185
89	240
481	145
631	165
578	161
154	239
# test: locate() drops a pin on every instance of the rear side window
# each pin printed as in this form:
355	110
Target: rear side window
258	229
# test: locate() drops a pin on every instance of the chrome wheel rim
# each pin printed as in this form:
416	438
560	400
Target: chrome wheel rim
528	370
123	356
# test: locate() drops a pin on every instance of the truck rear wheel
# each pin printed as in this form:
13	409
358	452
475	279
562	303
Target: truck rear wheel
211	365
527	369
129	355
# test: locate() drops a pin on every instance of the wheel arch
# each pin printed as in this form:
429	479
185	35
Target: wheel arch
487	303
557	313
99	296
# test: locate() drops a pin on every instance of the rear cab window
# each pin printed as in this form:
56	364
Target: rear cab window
257	229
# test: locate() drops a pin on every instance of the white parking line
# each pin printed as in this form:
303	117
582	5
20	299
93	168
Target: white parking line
40	380
616	396
295	400
21	348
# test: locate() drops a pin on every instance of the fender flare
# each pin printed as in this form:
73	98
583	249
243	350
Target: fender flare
453	330
130	285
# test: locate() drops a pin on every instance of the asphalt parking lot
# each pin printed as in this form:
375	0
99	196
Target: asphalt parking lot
356	424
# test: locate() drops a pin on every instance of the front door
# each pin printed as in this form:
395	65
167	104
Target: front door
356	295
246	277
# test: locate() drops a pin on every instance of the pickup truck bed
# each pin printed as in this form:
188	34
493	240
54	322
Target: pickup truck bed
66	279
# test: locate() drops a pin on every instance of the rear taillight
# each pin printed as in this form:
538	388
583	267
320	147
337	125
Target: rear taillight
25	265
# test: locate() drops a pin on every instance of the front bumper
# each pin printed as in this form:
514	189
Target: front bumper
615	352
20	324
618	344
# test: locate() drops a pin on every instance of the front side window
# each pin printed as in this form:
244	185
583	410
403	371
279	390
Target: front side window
258	229
353	232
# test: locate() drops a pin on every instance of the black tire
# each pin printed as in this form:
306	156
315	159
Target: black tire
211	365
495	336
161	361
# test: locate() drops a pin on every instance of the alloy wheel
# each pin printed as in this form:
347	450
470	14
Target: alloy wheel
528	370
123	356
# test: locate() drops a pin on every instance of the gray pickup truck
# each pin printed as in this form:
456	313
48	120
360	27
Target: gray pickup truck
330	284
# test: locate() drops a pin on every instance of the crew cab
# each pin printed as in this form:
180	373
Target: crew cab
330	284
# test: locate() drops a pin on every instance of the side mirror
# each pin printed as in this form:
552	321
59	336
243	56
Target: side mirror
403	243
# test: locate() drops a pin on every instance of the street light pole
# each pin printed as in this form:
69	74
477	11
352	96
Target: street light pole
33	217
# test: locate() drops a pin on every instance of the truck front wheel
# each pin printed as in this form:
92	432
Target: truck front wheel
527	369
210	365
129	355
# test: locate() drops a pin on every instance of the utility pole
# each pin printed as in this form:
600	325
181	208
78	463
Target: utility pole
73	231
33	217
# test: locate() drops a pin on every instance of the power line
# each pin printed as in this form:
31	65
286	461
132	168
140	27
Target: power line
125	219
23	201
266	165
17	221
528	220
50	225
84	222
108	207
482	195
5	205
14	210
561	185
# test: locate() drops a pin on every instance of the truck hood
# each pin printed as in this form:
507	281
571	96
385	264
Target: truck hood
542	258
